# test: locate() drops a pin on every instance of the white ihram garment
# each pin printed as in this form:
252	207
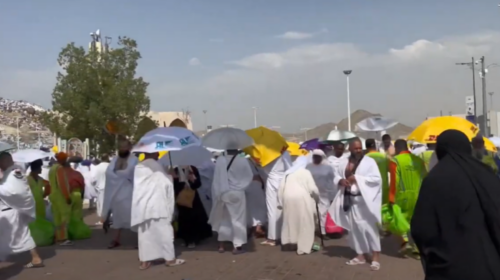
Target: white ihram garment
363	218
89	192
275	172
98	179
206	172
323	177
152	211
228	215
17	210
298	195
256	200
118	193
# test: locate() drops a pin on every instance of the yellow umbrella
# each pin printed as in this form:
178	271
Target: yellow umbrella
430	129
141	156
294	149
268	145
489	145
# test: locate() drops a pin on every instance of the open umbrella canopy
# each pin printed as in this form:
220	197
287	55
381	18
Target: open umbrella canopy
489	145
164	139
311	144
429	130
268	145
194	155
227	138
295	150
375	124
29	155
339	136
169	138
495	140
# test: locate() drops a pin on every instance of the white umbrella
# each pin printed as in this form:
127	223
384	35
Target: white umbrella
339	135
166	139
375	124
227	138
29	155
194	155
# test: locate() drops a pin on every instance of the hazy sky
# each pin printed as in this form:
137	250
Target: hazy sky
283	56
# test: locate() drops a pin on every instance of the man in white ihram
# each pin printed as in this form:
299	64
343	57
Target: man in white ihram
119	189
297	197
256	202
357	204
322	173
274	173
152	212
17	210
228	217
98	175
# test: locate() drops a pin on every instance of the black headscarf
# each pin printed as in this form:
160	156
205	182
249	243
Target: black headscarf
456	222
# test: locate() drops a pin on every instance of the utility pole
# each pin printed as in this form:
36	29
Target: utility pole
484	97
472	66
205	117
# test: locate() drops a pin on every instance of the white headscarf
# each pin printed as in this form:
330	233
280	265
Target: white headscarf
299	163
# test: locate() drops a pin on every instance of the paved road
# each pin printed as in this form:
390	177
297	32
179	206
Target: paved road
90	260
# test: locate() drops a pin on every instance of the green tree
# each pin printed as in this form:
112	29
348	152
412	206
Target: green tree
145	125
94	88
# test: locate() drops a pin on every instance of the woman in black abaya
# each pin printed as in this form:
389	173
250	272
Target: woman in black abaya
192	223
456	223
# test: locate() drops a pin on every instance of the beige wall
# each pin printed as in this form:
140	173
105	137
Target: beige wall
169	118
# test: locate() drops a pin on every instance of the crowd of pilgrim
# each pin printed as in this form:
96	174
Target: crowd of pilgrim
448	191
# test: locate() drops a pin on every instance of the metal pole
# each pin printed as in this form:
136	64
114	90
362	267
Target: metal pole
485	101
205	116
474	87
348	105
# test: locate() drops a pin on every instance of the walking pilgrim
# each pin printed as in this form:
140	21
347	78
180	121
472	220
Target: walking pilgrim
17	210
232	176
337	155
119	189
256	202
98	179
153	205
274	172
357	204
298	195
322	172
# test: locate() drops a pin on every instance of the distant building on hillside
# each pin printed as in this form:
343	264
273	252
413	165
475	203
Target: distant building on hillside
180	119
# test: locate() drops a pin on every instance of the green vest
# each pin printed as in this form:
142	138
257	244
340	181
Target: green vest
410	173
383	167
426	157
489	159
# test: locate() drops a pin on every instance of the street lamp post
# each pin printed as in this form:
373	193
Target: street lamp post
491	99
305	129
254	116
471	65
347	73
485	103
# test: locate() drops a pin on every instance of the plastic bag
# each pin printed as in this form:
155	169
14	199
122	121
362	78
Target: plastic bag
186	197
331	227
42	232
393	220
78	230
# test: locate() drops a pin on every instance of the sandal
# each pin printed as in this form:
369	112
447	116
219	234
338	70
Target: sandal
176	262
145	265
114	244
375	266
355	261
34	265
239	251
66	243
268	243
